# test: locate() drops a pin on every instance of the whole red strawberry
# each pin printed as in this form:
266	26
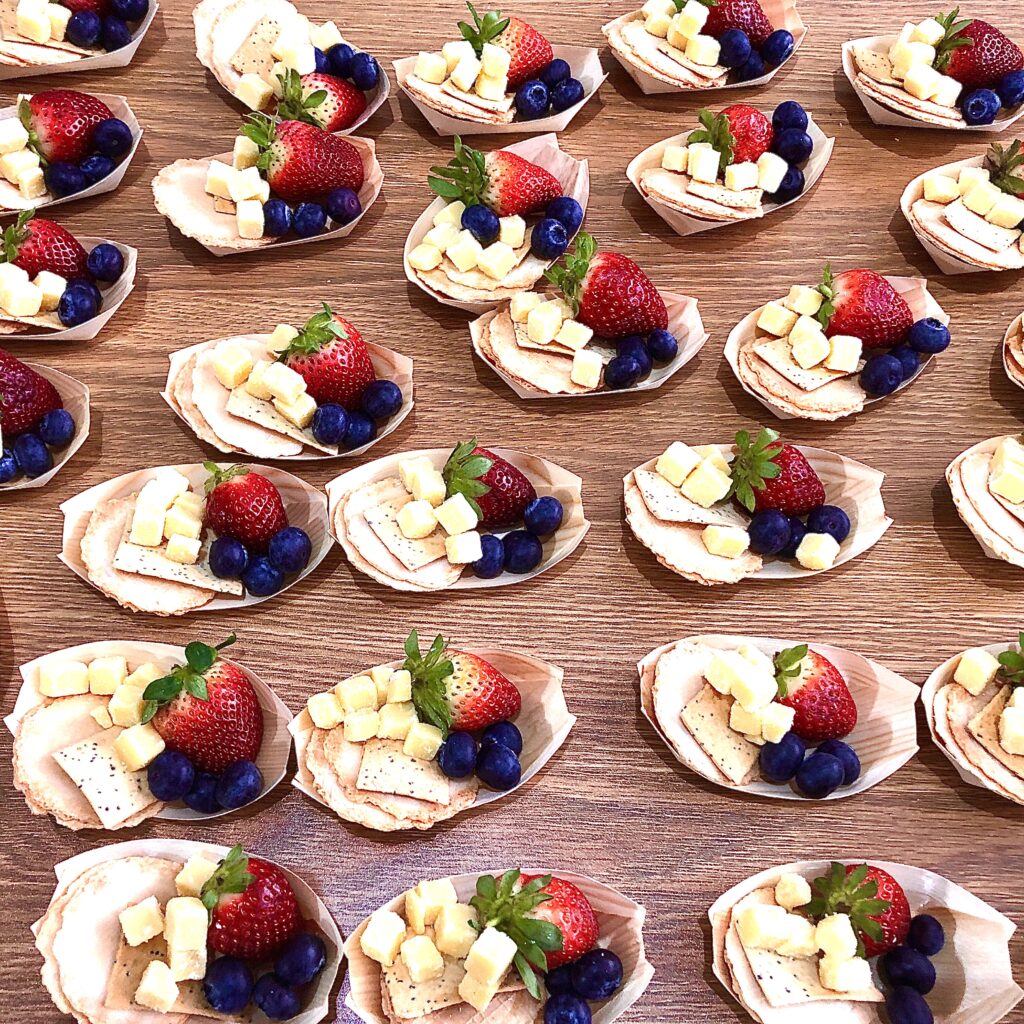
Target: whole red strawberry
569	910
767	473
325	100
974	52
816	690
35	245
746	15
864	304
751	130
206	709
253	909
332	359
25	396
529	50
59	123
244	505
498	490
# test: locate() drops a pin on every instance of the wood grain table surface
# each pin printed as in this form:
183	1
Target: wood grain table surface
613	802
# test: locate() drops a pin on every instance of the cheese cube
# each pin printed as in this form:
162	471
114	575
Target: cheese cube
300	412
281	337
707	484
429	486
755	690
147	525
476	993
658	25
521	305
703	164
142	921
725	541
970	176
497	260
324	36
424	903
464	252
456	515
982	197
431	67
325	710
138	745
544	321
703	50
184	550
740	177
941	188
658	7
381	676
185	922
146	673
495	60
283	383
676	158
63	678
677	462
417	520
776	721
232	363
908	56
278	76
244	154
835	936
776	319
1008	211
218	177
408	468
244	184
845	974
906	33
249	218
793	891
464	548
512	231
928	31
922	80
799	941
192	503
14	165
691	19
395	721
441	236
1008	452
157	989
24	299
13	136
125	707
454	933
725	670
975	670
1016	698
190	880
572	334
32	20
490	956
452	213
464	74
817	551
358	694
1011	730
491	88
383	937
101	716
803	300
946	92
423	741
187	964
421	959
361	726
59	16
806	328
301	57
844	353
254	382
771	169
762	926
586	368
746	722
51	286
400	687
810	349
456	50
162	490
756	657
425	257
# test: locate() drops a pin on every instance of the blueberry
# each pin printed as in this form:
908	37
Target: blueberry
769	531
202	797
557	71
505	733
549	239
365	71
846	756
8	466
239	784
96	168
777	48
829	519
32	455
532	100
881	375
797	530
228	558
568	211
662	347
482	223
781	761
321	61
170	775
792	185
523	551
301	959
636	346
793	145
980	106
261	578
64	179
339	60
754	68
908	358
277	218
112	138
926	935
622	372
907	1006
84	28
57	428
343	205
228	984
498	767
543	515
597	974
819	776
906	966
457	756
1011	89
105	262
736	48
790	115
116	33
566	94
275	999
87	285
929	336
566	1009
359	431
289	550
381	399
491	562
309	219
130	10
75	307
329	423
559	981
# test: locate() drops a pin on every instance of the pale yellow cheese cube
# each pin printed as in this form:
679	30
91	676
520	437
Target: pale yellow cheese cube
125	706
658	7
692	19
24	299
421	959
946	92
844	353
185	922
325	709
32	20
544	321
465	252
806	328
1016	698
191	502
792	891
929	31
254	382
381	676
253	91
725	541
13	136
13	165
454	933
281	337
190	880
361	726
756	657
283	383
490	956
1011	729
324	36
497	260
464	74
521	305
676	158
975	670
762	926
512	231
803	300
52	287
431	67
464	548
703	163
742	176
755	689
572	334
727	669
138	745
399	688
835	936
298	55
428	485
383	937
817	551
982	197
677	462
922	80
941	188
244	153
776	721
187	964
157	988
417	520
707	484
180	522
799	942
844	974
771	169
395	721
142	921
441	236
63	678
101	716
491	87
300	412
811	349
776	319
424	903
452	213
456	515
1008	211
249	218
147	525
703	50
970	176
476	993
245	184
746	722
423	741
658	25
1008	452
184	550
425	257
586	368
408	468
495	60
358	694
218	177
162	490
907	55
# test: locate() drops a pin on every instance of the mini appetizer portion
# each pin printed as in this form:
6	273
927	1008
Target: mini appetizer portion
1013	351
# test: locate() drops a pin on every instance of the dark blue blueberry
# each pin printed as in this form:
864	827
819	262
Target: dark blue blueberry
76	306
170	775
96	167
568	211
32	455
736	48
343	205
790	114
289	549
116	33
310	219
112	138
261	578
566	1009
322	67
662	347
769	531
1011	89
228	558
549	239
365	71
906	966
829	519
228	984
84	28
523	551
239	784
981	106
777	48
129	10
87	285
498	767
202	798
57	428
360	430
64	179
566	94
275	999
277	218
754	68
636	347
105	262
929	336
491	562
339	60
559	981
597	974
381	399
505	733
532	100
543	515
797	530
908	358
329	423
881	375
846	756
622	372
457	756
557	71
301	959
793	145
819	776
781	761
907	1006
482	223
926	935
792	185
8	466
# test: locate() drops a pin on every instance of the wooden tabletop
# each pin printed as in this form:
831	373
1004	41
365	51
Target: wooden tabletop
613	802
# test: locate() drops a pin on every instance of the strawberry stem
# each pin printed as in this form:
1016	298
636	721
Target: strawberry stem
484	29
718	132
293	106
754	464
232	875
854	894
319	331
788	666
462	473
190	677
569	279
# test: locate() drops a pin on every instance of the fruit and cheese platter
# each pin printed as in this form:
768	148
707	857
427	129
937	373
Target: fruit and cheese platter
200	536
1013	351
416	741
828	351
859	943
778	718
110	733
677	45
761	507
514	945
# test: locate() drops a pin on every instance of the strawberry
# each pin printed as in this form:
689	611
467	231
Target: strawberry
817	691
768	473
875	901
608	292
740	133
864	304
530	51
25	396
493	486
323	100
253	909
302	161
35	244
974	52
746	15
1006	166
331	358
206	709
503	181
59	123
100	7
244	505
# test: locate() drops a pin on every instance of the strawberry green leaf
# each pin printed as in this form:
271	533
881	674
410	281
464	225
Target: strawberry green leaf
788	666
753	465
232	876
430	675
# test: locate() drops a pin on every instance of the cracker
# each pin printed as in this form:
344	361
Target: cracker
984	728
409	1000
745	201
253	57
778	354
706	716
988	513
179	391
386	768
672	188
670	505
500	107
437	98
522	339
234	25
967	223
930	220
897	98
875	65
412	553
248	407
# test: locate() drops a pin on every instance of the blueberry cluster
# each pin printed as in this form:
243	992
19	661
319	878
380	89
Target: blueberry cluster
230	985
815	775
112	32
109	142
287	553
340	207
495	761
172	776
596	975
550	236
31	453
554	89
520	551
637	356
884	372
333	424
774	533
746	63
791	142
82	298
361	69
982	106
910	973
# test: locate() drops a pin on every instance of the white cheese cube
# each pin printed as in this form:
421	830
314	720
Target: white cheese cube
691	19
743	721
281	337
284	383
361	726
278	75
922	80
101	716
63	678
183	549
441	236
232	363
456	50
244	154
187	964
32	183
325	710
845	974
138	745
464	252
1011	729
147	525
521	305
676	158
425	257
1007	480
141	921
762	926
725	541
740	177
756	657
835	936
792	891
703	50
408	468
13	136
658	25
777	319
254	382
192	503
771	169
726	670
382	676
32	20
421	959
1016	698
157	988
218	177
429	486
189	881
324	36
586	368
497	260
928	31
125	707
803	300
844	353
982	197
23	299
161	491
423	741
490	956
416	520
975	670
806	328
452	213
817	551
495	60
383	937
464	548
1008	211
14	165
810	349
52	287
185	923
431	67
253	91
244	184
544	321
399	688
776	721
425	902
906	56
947	92
658	7
512	231
59	16
456	515
454	933
249	218
489	87
703	164
300	57
572	334
300	412
464	74
799	941
755	690
707	484
358	694
476	993
970	176
395	721
941	188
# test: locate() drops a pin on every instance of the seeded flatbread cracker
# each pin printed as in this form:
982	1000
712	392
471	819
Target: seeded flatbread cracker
930	219
245	406
994	518
747	201
436	97
979	230
670	505
180	394
778	354
655	57
985	729
471	99
875	65
233	28
709	72
412	553
897	98
476	286
706	716
672	188
386	768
